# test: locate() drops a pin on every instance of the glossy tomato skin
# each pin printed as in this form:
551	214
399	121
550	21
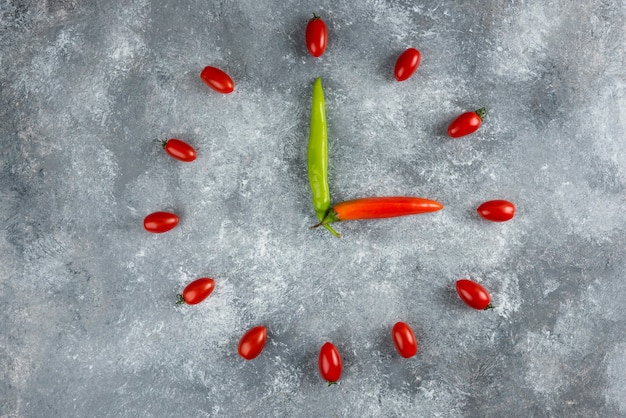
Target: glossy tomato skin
473	294
217	79
159	222
406	64
329	363
466	123
197	291
316	36
404	339
252	342
179	150
497	210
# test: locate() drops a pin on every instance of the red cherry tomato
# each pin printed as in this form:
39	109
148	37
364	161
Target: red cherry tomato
466	123
217	79
404	339
252	343
497	210
329	363
406	64
179	150
316	36
197	291
473	294
159	222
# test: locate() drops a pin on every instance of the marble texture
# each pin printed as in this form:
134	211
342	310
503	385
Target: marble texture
88	325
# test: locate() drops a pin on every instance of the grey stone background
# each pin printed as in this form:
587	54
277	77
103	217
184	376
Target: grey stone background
88	325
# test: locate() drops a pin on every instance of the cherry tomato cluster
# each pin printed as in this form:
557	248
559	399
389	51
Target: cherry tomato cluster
254	340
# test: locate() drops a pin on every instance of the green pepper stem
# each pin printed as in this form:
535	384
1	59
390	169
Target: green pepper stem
332	231
482	112
328	227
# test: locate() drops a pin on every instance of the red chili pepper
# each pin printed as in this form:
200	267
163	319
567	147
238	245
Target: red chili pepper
380	207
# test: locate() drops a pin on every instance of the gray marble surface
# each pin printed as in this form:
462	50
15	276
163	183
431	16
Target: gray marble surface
88	325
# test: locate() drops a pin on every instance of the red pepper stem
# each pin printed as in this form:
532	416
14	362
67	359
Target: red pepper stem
482	112
330	217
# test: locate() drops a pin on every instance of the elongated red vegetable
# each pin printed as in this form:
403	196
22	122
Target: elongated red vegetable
380	207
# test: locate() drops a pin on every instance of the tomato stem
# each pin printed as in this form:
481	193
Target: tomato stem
482	112
489	307
316	16
181	300
164	143
331	383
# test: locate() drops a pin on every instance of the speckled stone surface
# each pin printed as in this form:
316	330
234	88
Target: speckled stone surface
89	326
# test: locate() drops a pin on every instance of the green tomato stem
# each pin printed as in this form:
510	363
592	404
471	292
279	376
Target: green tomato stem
489	307
181	300
482	112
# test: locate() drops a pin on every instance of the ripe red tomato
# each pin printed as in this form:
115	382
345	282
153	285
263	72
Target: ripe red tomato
497	210
316	36
179	150
159	222
252	342
406	64
217	79
329	363
197	291
404	339
473	294
466	123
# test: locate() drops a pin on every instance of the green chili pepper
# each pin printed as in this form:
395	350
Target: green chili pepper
318	155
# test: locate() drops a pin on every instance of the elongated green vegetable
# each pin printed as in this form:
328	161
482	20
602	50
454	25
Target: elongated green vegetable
318	155
318	152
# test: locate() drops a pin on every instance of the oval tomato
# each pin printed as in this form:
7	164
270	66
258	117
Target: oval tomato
404	339
316	36
180	150
497	210
467	123
159	222
406	64
252	342
217	79
329	363
473	294
197	291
